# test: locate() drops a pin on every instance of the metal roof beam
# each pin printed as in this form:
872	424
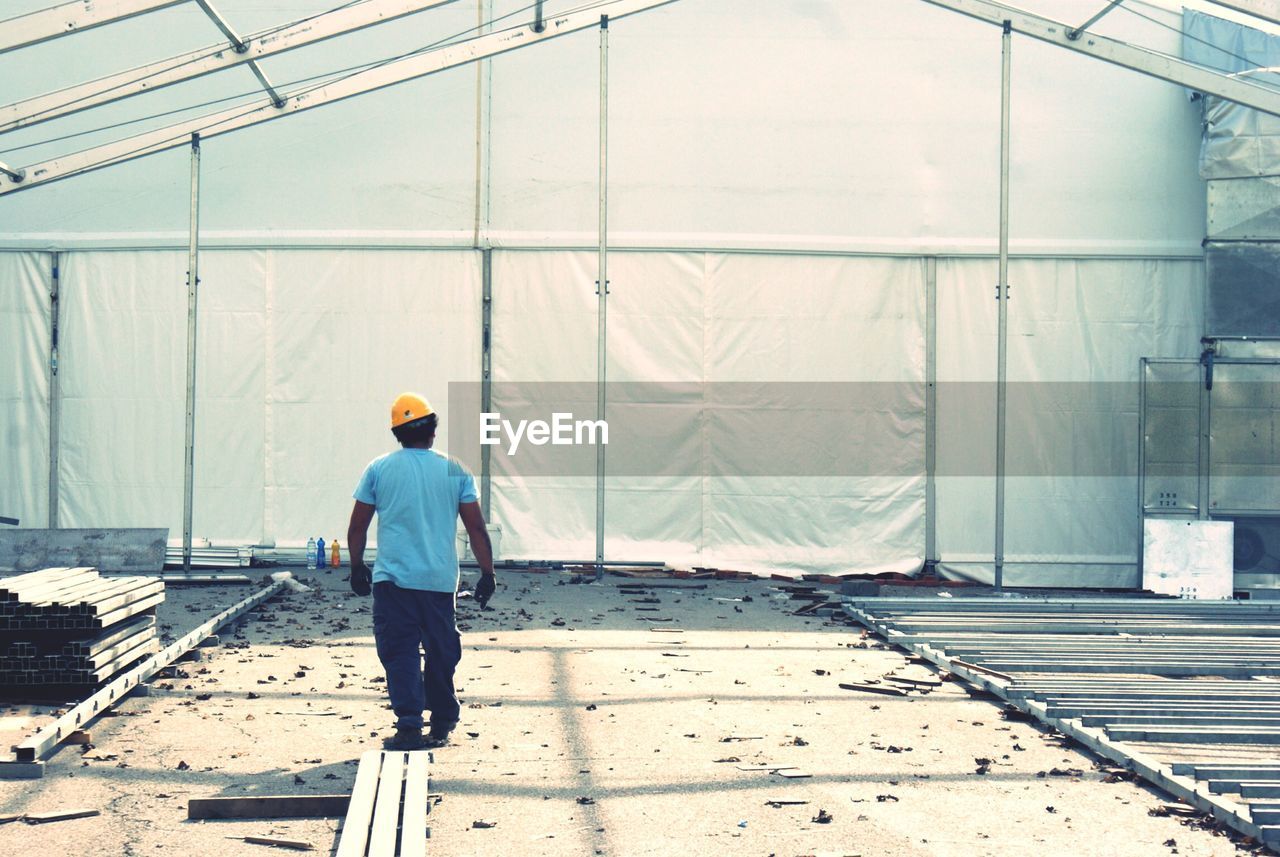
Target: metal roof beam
1267	10
307	98
1142	60
276	40
36	27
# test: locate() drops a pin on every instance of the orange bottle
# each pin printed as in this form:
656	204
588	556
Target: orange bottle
335	555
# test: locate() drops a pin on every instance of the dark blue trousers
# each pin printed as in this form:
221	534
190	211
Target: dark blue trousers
409	624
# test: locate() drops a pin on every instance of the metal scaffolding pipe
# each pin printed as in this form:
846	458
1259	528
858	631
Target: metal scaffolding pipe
602	288
193	282
55	409
486	373
1002	300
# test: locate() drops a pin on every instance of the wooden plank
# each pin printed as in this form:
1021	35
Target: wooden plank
39	591
355	828
268	806
386	810
8	585
413	829
109	619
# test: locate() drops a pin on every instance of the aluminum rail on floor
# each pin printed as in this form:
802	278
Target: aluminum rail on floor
1186	694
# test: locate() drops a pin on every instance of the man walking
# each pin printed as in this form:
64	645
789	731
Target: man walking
418	494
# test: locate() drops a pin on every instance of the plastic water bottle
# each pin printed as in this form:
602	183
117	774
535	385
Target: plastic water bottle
311	553
322	559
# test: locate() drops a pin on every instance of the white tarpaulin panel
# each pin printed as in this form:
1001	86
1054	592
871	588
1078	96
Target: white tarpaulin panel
230	440
544	331
1077	329
544	320
24	387
123	382
829	322
723	343
348	331
300	356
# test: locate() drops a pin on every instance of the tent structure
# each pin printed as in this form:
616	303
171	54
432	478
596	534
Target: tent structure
798	222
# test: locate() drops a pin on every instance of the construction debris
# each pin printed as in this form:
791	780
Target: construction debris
59	815
276	842
874	688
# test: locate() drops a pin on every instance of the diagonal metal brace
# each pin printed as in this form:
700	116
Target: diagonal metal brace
1071	34
241	46
14	175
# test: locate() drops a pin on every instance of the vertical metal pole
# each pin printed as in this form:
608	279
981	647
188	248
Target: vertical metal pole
193	282
55	404
931	412
1204	453
480	69
1002	299
486	369
602	287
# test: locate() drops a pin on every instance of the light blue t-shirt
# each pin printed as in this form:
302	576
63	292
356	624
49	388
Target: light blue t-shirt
416	493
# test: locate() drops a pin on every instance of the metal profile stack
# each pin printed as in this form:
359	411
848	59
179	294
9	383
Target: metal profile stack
71	628
1184	693
212	557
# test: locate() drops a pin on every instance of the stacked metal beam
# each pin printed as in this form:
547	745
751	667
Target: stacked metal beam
70	627
1182	692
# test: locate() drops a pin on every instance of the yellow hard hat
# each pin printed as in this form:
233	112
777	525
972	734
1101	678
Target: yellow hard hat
409	407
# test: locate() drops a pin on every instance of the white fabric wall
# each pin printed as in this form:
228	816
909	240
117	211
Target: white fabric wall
717	318
123	347
1077	329
24	387
300	352
300	355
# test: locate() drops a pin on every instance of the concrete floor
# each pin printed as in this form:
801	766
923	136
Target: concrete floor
586	730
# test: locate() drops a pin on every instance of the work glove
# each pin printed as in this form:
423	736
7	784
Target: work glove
361	579
484	589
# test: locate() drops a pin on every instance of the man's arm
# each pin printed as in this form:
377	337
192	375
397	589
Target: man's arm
357	532
478	535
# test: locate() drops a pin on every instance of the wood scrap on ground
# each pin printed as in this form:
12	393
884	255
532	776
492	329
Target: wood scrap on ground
268	806
874	688
59	815
276	842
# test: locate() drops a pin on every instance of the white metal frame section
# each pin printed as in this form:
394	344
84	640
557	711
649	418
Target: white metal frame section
1267	10
213	58
1143	60
36	27
359	83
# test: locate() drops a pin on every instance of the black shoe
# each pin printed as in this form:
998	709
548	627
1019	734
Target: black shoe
405	740
439	735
